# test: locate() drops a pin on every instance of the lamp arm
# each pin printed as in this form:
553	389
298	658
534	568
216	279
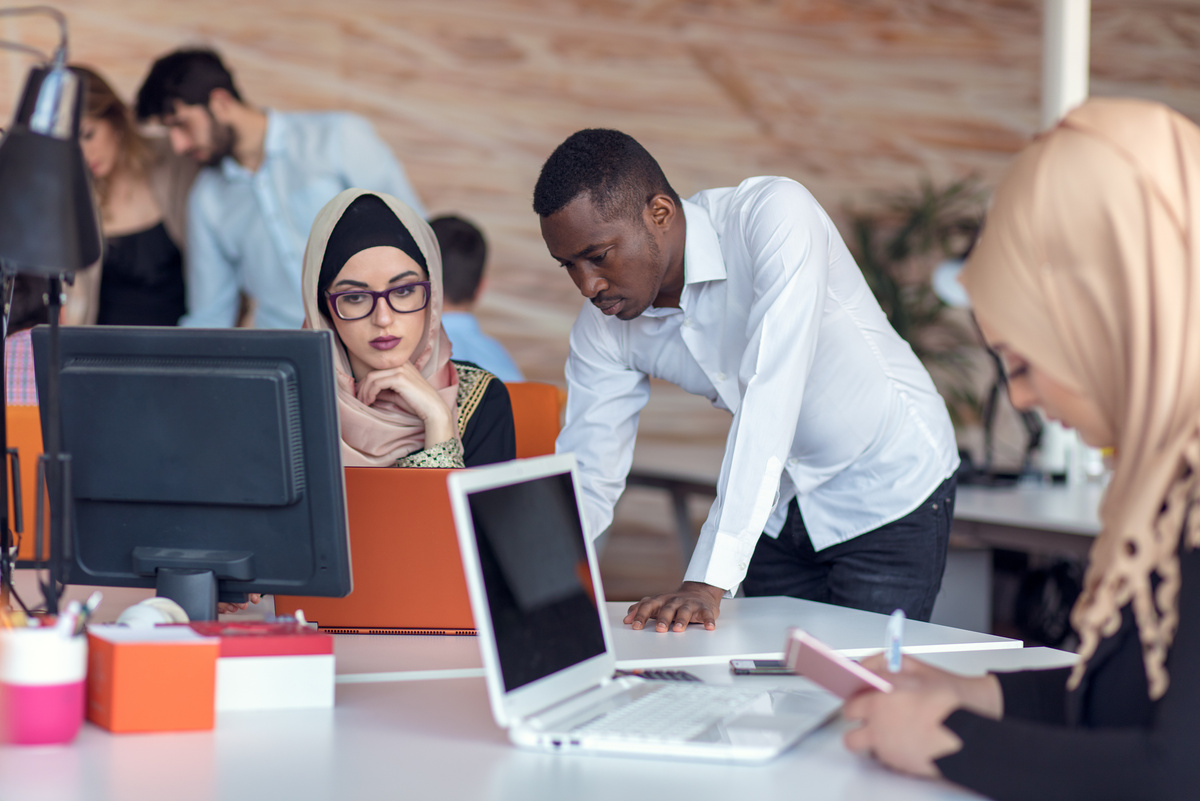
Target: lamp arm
60	54
27	49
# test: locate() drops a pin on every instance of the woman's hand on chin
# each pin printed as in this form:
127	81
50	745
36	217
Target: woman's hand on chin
407	382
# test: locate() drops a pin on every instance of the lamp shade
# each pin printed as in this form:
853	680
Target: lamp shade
48	222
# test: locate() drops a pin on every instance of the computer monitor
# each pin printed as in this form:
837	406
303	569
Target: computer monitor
202	462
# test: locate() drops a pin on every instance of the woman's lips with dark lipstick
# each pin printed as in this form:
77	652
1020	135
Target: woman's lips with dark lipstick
385	343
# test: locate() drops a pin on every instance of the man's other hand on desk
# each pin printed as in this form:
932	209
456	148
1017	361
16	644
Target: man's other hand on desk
226	608
693	602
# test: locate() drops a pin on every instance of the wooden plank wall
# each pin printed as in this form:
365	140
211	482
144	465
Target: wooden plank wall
851	98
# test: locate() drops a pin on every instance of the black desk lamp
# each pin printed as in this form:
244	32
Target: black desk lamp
49	227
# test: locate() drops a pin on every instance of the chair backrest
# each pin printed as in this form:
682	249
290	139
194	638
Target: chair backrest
537	410
24	427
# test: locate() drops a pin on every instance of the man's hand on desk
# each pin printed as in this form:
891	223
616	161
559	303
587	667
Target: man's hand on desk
226	608
693	602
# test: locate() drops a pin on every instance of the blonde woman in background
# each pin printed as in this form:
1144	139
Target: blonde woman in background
1086	281
141	190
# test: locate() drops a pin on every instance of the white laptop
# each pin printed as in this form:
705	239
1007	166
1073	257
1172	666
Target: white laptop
547	654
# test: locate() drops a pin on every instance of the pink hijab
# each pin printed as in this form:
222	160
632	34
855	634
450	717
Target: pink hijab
1089	266
379	434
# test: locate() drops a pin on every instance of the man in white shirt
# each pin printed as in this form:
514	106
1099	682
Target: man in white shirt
837	482
266	176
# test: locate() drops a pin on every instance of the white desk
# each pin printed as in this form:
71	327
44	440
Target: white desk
754	628
748	628
1052	519
432	739
1044	520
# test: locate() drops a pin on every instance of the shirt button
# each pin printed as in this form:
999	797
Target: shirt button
687	322
793	462
741	565
720	376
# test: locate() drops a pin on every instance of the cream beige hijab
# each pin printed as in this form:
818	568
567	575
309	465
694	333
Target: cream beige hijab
1087	267
379	434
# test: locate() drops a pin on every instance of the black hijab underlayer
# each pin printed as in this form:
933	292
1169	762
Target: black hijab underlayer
366	223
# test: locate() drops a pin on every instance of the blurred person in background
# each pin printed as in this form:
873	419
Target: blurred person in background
141	189
464	256
25	305
265	175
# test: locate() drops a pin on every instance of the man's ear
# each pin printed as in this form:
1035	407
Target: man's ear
662	211
220	104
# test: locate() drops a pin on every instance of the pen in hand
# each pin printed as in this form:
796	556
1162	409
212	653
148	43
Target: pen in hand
895	639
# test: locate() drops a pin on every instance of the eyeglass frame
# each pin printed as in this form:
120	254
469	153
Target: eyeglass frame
375	296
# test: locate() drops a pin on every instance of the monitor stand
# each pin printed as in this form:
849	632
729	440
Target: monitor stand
189	576
194	590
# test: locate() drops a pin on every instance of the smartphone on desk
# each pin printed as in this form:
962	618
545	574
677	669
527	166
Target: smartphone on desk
759	667
809	657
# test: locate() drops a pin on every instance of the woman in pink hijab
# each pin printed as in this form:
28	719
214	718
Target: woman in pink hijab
1086	281
373	275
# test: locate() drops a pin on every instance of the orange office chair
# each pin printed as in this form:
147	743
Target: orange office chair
537	415
25	434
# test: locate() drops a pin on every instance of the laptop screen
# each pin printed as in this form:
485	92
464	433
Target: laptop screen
535	569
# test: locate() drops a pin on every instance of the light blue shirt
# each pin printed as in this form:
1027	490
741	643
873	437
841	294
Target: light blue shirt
247	230
468	343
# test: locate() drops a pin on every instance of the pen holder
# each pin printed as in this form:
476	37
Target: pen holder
42	685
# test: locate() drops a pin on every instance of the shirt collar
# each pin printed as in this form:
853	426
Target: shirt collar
274	143
702	259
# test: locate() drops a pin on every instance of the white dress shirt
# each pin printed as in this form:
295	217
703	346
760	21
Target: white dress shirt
247	230
777	326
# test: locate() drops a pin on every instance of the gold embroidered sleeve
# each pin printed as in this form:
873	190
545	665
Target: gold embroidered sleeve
472	385
444	454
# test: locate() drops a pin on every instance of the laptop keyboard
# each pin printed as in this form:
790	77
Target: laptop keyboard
672	713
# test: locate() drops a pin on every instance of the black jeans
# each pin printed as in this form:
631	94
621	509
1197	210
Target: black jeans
896	566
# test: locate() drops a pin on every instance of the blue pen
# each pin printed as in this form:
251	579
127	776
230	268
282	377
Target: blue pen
895	638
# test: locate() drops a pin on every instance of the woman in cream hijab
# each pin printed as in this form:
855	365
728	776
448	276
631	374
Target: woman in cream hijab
373	276
1086	281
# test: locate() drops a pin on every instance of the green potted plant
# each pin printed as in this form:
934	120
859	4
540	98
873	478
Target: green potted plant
898	241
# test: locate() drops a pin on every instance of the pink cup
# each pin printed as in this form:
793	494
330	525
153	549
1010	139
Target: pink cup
42	686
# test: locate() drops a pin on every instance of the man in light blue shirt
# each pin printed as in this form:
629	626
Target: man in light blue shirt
266	176
464	253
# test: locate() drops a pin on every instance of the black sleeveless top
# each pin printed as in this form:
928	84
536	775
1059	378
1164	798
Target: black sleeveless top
142	281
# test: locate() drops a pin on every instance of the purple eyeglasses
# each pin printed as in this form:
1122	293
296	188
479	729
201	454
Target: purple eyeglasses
355	304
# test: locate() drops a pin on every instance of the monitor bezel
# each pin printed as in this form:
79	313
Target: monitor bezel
318	412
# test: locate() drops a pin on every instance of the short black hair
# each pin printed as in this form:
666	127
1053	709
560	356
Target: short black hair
188	76
464	253
30	299
612	167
